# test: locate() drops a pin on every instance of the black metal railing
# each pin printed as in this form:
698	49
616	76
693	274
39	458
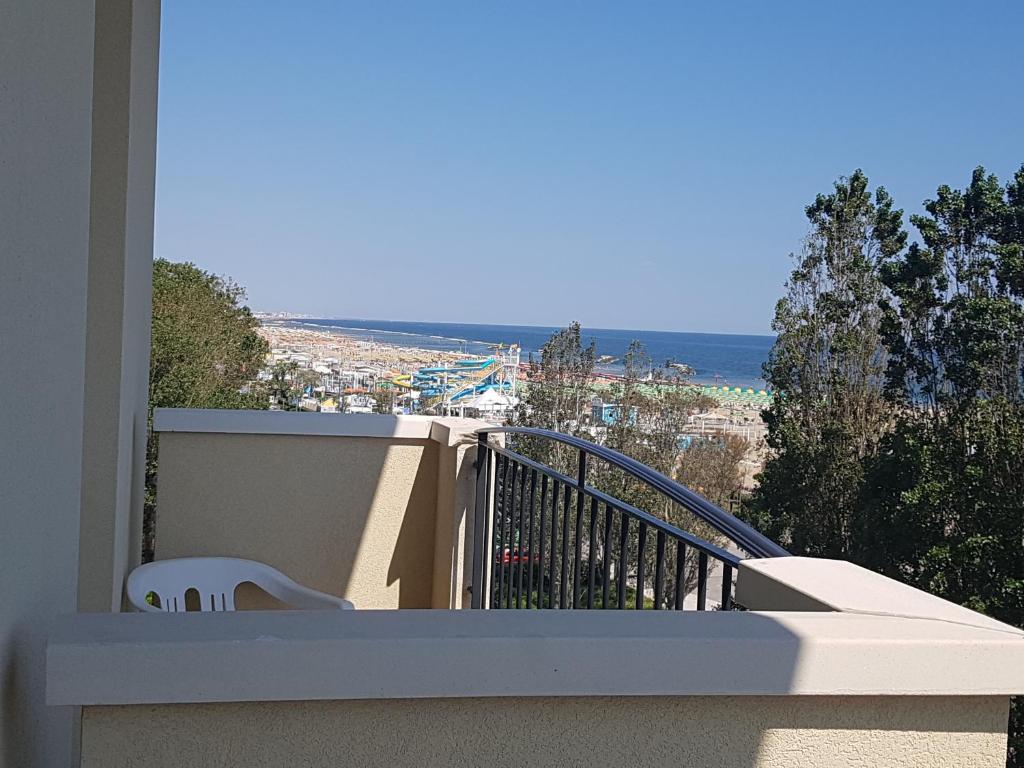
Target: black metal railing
545	539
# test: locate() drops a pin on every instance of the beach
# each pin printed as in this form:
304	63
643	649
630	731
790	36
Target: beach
731	414
322	344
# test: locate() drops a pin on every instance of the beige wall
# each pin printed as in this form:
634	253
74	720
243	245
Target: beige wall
453	530
352	516
729	732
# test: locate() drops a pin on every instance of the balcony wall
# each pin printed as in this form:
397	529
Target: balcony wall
866	673
599	731
831	666
370	508
551	688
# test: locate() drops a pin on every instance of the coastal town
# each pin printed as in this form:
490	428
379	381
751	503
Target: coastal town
338	373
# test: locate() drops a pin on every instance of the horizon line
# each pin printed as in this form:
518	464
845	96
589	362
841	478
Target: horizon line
305	316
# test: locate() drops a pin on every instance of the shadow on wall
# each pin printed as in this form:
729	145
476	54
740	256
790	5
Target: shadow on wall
412	557
22	659
351	516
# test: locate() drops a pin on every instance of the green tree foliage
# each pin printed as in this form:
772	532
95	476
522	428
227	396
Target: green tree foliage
282	385
953	468
205	348
924	481
384	398
205	353
827	371
557	395
714	468
648	421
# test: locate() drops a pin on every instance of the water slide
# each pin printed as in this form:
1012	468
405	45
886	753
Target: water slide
462	379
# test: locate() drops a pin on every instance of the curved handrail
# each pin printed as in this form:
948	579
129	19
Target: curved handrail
747	538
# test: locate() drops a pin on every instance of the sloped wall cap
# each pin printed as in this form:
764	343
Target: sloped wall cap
813	584
96	659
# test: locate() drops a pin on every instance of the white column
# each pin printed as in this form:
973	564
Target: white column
119	297
60	162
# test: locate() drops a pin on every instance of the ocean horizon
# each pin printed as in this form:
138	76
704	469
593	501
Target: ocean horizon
733	359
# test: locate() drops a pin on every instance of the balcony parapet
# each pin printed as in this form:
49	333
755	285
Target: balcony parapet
843	683
259	656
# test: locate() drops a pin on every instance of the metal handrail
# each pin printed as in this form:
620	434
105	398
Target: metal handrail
637	514
745	537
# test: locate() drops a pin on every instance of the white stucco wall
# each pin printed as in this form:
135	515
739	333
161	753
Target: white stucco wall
50	175
46	49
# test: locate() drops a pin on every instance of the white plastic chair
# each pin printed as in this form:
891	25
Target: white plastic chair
215	580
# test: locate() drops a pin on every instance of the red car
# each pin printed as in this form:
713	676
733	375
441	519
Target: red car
508	557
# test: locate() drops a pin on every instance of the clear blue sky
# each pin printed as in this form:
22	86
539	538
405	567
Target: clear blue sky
629	165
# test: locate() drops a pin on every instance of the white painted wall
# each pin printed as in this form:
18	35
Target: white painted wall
50	176
46	50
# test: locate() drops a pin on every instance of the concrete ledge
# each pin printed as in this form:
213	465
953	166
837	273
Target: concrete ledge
447	431
812	584
100	659
291	423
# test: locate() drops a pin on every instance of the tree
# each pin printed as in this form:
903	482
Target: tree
952	471
557	395
713	467
205	353
384	398
282	384
918	473
950	479
827	369
649	418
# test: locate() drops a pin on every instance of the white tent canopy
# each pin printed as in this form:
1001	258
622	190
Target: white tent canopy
490	400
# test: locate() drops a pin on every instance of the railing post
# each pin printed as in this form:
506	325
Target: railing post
480	544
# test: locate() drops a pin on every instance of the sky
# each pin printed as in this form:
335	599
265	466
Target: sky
627	165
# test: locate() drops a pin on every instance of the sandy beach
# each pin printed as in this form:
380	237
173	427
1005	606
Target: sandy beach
323	344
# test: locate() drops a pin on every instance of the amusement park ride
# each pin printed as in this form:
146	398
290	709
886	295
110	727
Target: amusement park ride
443	388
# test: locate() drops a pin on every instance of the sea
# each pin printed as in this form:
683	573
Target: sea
717	358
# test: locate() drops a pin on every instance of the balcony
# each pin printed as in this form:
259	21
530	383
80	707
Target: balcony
434	528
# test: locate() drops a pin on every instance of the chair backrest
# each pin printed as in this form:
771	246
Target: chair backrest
215	580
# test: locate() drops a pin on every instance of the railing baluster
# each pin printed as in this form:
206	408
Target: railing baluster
641	566
511	533
500	514
529	539
659	570
680	595
554	545
591	553
564	582
623	558
702	581
606	565
518	554
581	483
726	587
541	533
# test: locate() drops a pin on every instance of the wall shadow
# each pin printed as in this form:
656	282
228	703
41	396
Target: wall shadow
346	515
412	560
